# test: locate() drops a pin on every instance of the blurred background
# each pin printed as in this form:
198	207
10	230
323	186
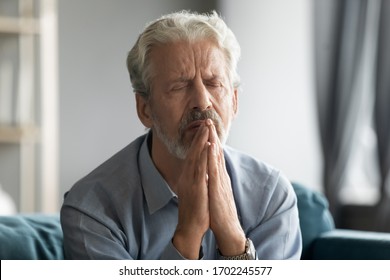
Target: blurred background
314	100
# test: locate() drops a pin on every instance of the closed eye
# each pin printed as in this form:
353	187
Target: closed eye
179	86
214	81
213	84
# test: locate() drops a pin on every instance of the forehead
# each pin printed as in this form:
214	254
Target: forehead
184	58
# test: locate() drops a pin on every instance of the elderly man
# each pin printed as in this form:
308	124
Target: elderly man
179	192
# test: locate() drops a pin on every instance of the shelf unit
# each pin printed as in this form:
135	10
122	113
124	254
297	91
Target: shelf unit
35	122
17	134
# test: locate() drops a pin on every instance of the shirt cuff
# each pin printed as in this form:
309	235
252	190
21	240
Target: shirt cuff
171	253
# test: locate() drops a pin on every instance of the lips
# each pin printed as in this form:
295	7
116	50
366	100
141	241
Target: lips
195	124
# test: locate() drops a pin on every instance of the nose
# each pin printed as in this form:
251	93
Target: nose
200	97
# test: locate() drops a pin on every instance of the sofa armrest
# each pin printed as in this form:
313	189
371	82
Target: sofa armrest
340	244
30	237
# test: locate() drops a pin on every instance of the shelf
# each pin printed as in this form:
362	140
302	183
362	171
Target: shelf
18	134
19	25
34	126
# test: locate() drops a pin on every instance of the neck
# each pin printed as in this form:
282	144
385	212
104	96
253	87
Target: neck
167	164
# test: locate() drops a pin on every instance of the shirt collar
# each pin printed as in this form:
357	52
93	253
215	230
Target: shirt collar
156	189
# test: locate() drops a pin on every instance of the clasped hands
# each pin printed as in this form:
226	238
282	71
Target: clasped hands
206	198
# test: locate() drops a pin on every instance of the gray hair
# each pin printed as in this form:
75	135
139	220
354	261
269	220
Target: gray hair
179	26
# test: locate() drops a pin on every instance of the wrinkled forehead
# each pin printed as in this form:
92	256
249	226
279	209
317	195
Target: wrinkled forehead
181	59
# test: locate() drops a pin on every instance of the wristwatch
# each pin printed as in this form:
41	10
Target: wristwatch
249	254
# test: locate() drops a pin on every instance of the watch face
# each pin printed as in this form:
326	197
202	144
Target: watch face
250	250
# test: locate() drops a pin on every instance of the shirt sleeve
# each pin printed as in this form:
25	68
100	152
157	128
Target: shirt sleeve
171	253
87	238
278	234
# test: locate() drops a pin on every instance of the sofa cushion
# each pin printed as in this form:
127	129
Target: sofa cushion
344	244
28	237
314	217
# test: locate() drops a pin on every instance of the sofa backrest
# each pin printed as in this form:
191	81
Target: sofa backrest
314	216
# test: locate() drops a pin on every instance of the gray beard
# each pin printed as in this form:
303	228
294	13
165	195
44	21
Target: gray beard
176	145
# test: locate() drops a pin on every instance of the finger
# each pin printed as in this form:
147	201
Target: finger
213	171
213	138
213	134
197	145
202	172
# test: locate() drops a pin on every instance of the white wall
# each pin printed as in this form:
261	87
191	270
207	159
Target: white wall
277	121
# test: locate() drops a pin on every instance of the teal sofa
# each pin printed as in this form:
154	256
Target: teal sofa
39	236
321	241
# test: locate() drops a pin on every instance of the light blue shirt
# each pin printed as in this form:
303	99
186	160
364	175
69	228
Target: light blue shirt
124	209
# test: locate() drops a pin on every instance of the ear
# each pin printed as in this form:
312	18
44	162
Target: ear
143	111
235	101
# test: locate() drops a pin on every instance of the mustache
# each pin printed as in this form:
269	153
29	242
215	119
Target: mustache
196	115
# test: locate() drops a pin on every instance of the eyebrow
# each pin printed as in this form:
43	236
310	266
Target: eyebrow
181	78
184	79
